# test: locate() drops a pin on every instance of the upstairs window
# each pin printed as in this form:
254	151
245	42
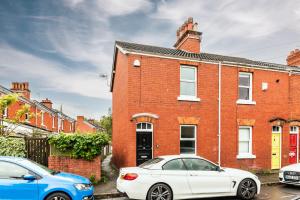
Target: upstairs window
53	122
26	117
188	81
5	112
42	118
245	86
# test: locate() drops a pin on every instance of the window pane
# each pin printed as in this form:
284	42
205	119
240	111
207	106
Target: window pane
244	134
187	131
187	73
148	126
10	170
244	147
187	88
143	126
174	165
275	128
187	147
244	93
199	164
139	126
244	80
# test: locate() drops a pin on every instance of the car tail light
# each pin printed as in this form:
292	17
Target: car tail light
130	176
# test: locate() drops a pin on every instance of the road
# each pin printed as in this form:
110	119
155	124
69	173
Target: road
277	192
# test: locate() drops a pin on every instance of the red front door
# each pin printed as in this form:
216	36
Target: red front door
293	149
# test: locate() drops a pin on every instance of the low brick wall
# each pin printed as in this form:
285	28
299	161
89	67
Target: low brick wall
76	166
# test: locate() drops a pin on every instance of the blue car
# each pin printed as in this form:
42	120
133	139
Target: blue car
24	179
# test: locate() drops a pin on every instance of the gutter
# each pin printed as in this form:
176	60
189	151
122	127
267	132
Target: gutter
219	112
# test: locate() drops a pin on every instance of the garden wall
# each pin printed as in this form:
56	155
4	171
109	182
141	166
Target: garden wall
76	166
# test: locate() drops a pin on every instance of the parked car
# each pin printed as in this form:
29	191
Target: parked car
24	179
290	174
184	177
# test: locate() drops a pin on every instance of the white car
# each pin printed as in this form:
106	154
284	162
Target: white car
184	177
290	174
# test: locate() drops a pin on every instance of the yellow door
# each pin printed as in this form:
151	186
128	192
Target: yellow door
275	150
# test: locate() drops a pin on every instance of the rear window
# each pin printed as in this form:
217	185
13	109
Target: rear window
151	162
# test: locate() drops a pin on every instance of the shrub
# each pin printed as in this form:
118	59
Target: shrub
12	147
85	146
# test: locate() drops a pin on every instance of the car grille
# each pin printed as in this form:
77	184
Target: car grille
291	176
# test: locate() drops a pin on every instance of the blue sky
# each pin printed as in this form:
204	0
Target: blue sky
62	46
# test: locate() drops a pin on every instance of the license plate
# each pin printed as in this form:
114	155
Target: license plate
296	178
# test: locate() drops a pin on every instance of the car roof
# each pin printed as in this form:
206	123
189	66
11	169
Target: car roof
11	158
170	157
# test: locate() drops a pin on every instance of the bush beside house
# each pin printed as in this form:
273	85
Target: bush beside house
78	153
12	147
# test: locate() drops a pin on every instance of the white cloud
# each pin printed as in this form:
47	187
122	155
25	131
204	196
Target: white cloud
51	75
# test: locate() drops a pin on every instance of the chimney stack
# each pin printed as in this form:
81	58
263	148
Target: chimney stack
48	103
293	58
80	118
188	37
21	88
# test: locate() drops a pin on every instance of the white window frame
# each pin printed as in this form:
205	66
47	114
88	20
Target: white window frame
53	121
189	139
248	155
26	115
188	97
42	118
250	87
296	132
62	124
5	112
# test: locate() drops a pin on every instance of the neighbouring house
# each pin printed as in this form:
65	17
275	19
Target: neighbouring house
83	125
234	111
46	120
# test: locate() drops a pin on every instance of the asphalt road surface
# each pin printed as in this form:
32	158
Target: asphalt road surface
277	192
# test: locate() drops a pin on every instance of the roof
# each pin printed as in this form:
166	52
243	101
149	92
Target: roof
171	52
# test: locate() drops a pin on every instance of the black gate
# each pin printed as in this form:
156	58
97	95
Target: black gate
143	143
38	150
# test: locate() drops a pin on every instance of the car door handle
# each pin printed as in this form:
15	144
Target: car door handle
193	175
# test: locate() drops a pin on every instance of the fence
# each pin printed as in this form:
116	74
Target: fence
38	150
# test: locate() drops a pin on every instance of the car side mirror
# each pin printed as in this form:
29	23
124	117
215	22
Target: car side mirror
219	169
29	177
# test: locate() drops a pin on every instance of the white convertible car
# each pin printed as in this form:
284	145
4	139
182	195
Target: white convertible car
184	177
290	174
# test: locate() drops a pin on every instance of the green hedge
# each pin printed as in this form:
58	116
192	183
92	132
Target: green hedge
12	147
79	145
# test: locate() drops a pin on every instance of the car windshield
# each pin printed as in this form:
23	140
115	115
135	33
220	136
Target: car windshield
41	169
151	162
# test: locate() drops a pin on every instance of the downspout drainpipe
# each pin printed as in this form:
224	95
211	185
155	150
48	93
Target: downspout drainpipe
219	114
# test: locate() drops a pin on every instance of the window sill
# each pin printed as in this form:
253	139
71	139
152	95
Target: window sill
246	156
246	102
188	98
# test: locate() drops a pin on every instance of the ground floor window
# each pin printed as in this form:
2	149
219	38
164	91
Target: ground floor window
187	139
245	142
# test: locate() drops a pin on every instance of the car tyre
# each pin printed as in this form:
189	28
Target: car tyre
160	191
58	196
247	189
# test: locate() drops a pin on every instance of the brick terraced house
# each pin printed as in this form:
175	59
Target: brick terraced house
234	111
46	119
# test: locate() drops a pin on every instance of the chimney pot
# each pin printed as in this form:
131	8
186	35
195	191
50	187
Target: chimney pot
21	88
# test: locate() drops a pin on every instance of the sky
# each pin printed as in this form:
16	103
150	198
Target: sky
64	48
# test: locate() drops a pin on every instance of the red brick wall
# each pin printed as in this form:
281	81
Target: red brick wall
154	87
76	166
120	123
190	44
83	126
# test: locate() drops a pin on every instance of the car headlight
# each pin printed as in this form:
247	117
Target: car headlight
83	186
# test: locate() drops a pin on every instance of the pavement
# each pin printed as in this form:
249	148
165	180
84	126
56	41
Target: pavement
270	186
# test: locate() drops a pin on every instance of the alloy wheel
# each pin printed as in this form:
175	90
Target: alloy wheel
160	192
248	189
58	198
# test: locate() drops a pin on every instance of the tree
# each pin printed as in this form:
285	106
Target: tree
8	125
106	123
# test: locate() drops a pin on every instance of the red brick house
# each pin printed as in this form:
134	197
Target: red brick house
83	125
234	111
46	119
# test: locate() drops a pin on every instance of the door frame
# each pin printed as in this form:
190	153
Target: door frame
296	133
144	130
280	143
